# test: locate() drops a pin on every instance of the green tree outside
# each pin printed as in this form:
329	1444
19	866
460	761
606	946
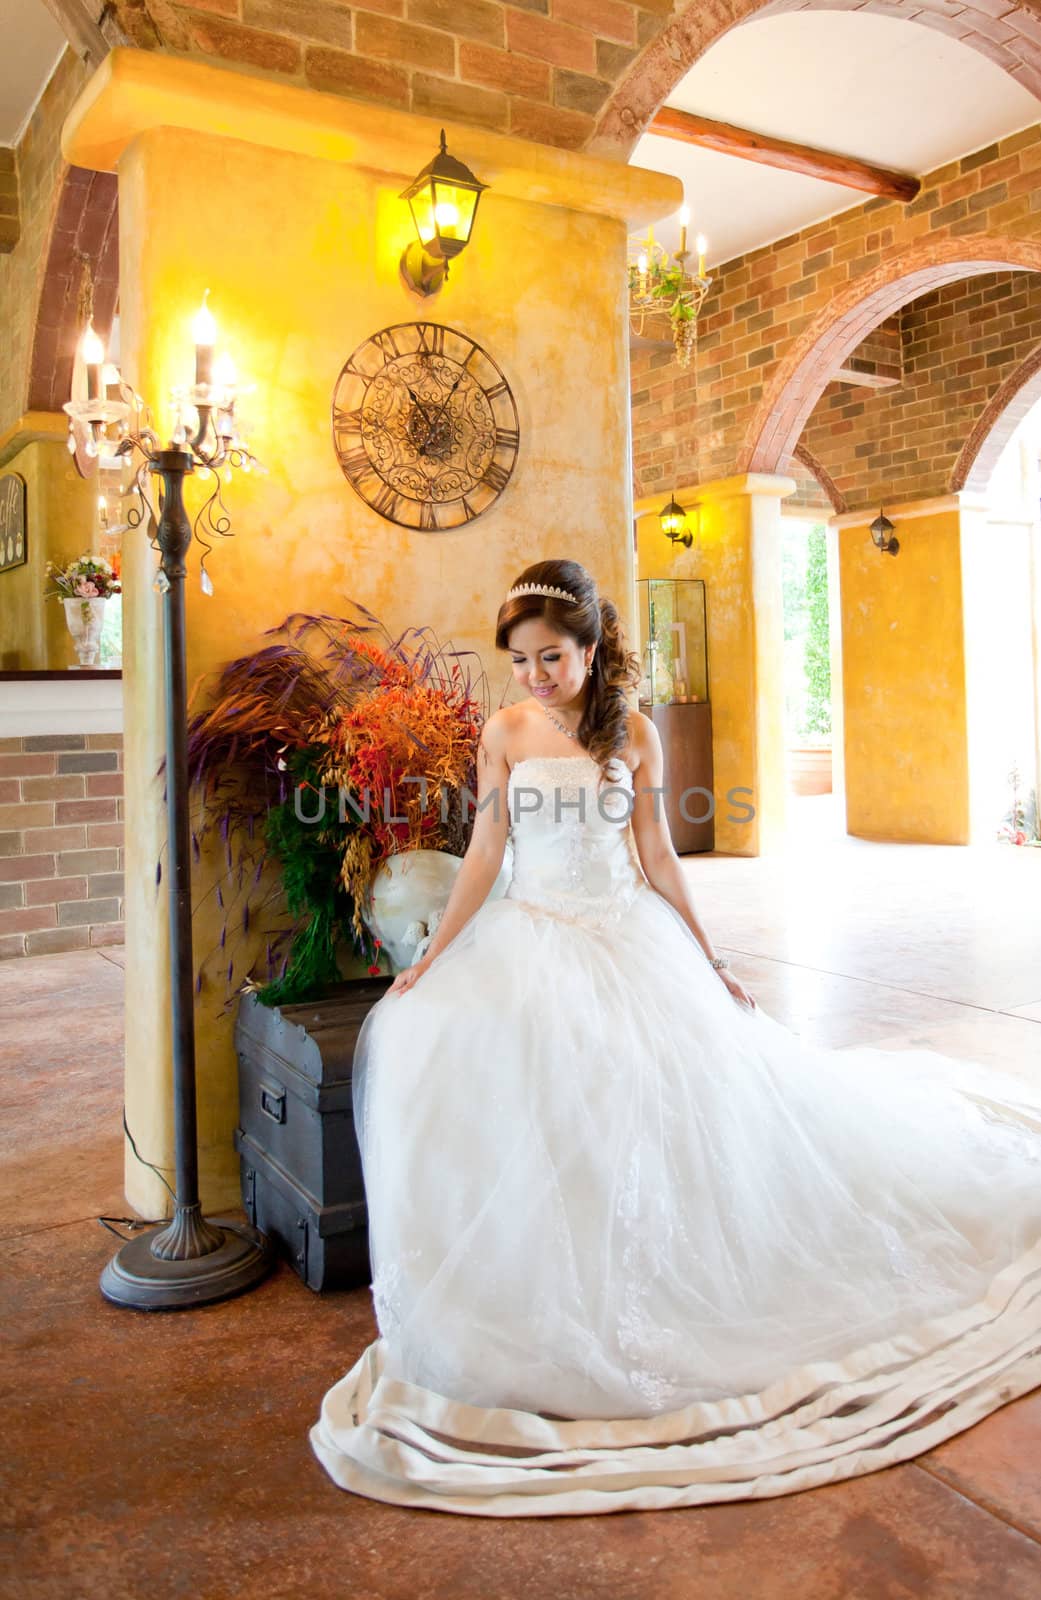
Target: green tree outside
804	585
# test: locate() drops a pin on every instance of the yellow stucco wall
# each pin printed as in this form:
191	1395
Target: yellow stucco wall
301	259
736	525
60	523
904	686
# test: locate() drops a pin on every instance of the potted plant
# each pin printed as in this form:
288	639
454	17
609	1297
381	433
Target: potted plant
1021	824
83	586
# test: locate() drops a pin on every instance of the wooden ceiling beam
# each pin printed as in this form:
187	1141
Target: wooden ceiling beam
78	21
671	123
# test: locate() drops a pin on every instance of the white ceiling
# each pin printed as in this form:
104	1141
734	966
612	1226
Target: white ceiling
882	90
32	43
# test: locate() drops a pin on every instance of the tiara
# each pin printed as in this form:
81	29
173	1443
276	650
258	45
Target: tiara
543	588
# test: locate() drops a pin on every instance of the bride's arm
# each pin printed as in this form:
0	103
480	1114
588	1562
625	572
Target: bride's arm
657	853
484	854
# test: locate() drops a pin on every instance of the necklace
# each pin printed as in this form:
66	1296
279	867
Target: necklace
557	720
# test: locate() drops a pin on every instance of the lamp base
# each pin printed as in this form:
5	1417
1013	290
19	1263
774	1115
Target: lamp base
142	1281
421	272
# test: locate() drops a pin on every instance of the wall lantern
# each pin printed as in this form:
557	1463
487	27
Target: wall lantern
443	200
881	528
673	520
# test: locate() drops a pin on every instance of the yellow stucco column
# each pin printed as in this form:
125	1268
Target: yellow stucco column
736	549
904	675
60	513
284	203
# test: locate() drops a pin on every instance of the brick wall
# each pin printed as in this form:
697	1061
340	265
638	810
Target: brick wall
764	355
41	170
566	72
9	211
959	344
539	69
61	842
812	491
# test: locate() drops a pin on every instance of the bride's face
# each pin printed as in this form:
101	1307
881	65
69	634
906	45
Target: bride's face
551	666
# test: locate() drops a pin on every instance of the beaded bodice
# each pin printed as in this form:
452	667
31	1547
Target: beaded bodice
574	854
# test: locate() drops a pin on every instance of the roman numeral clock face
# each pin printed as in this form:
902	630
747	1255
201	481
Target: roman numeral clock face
425	426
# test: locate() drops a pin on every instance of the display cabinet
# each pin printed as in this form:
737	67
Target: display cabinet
674	693
673	645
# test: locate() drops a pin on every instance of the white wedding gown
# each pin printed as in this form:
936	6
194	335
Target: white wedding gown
636	1245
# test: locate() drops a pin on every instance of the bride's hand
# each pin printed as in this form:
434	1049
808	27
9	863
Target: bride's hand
737	989
407	978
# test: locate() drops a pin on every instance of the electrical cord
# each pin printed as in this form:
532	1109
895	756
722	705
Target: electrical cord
135	1223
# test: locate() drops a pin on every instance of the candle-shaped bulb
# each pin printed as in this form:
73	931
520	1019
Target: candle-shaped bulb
224	375
92	348
204	328
702	246
204	332
641	264
93	353
684	223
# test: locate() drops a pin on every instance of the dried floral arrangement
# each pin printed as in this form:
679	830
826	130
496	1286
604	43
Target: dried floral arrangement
328	750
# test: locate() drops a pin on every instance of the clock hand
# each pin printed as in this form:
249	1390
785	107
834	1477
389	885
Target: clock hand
444	408
420	407
421	449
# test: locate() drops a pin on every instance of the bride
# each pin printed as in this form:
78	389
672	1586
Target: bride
634	1243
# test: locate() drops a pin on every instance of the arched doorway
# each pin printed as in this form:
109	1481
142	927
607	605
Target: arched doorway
998	476
813	358
84	248
1007	410
674	50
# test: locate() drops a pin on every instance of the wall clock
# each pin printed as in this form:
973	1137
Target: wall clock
425	426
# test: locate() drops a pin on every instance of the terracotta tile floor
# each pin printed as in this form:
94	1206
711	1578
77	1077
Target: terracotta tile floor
166	1456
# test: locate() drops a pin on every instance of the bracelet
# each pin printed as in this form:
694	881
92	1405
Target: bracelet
720	961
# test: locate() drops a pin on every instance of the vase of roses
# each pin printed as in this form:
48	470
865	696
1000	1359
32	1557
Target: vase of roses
83	586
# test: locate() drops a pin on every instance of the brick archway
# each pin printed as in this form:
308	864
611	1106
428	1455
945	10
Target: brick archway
1012	41
86	225
1001	416
813	358
821	476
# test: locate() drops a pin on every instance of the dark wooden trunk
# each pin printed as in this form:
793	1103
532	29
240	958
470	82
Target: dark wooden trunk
301	1166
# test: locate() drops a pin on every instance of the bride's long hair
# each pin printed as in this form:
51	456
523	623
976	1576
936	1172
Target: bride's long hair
594	620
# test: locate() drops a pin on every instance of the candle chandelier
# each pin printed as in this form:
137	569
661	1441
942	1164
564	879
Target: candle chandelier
664	298
109	423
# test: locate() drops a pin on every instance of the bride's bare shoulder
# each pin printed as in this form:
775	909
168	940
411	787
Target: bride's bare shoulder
499	732
643	737
509	724
495	727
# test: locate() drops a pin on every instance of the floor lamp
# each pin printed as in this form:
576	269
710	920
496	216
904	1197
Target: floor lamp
190	1260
